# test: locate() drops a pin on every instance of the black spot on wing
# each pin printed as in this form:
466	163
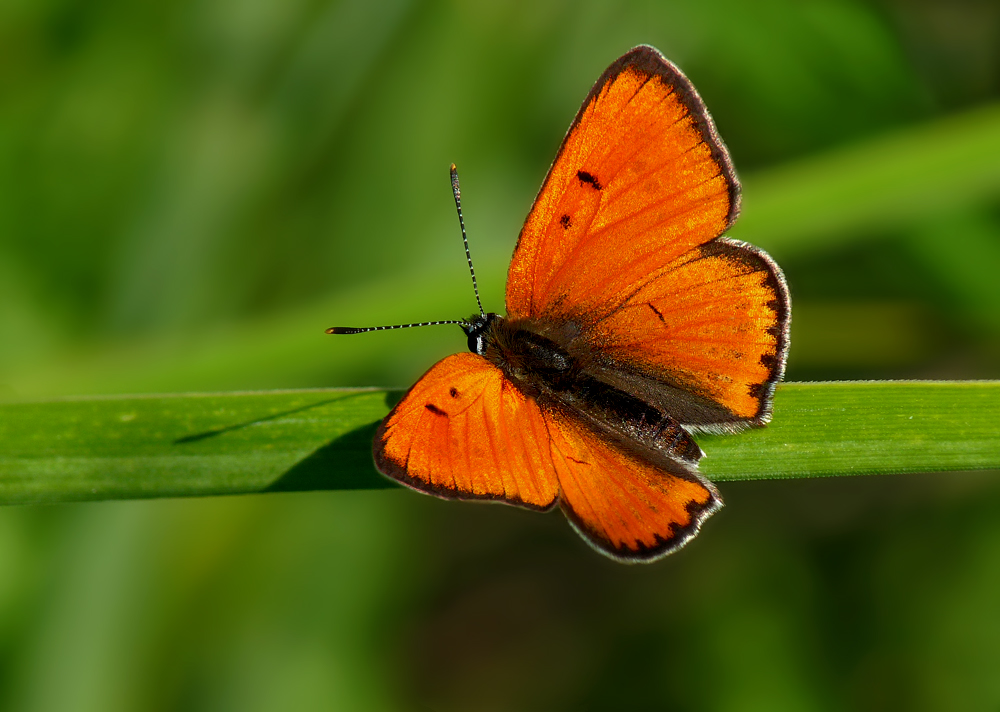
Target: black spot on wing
453	392
435	410
589	179
657	312
566	222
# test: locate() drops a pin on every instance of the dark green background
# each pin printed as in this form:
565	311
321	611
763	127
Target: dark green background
191	192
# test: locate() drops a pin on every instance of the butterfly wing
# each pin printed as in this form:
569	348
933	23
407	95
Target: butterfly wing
623	243
466	432
630	505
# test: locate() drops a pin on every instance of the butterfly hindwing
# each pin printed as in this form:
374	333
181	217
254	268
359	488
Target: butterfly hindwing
713	325
629	505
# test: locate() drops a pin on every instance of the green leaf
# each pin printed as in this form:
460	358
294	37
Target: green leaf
230	443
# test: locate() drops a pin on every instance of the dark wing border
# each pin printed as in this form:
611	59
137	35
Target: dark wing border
780	330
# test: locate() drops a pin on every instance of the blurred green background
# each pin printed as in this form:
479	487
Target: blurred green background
190	192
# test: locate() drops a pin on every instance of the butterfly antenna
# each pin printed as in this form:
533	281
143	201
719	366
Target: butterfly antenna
363	329
472	270
461	222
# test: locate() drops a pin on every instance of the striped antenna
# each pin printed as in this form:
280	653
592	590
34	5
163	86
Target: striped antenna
363	329
465	240
468	256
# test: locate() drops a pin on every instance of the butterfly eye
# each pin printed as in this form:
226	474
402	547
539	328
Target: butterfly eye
477	344
476	329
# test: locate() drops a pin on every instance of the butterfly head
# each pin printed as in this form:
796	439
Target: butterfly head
477	328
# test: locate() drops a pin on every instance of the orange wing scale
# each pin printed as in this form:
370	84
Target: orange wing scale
465	432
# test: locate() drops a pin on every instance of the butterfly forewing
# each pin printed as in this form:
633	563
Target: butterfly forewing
464	432
640	179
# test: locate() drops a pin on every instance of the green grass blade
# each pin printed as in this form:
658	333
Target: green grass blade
231	443
865	428
188	444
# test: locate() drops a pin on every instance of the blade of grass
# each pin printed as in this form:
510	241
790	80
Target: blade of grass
124	447
865	428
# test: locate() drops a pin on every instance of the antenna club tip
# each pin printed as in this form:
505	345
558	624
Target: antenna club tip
454	168
339	330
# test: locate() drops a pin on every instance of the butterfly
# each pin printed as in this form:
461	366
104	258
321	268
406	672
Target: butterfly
630	324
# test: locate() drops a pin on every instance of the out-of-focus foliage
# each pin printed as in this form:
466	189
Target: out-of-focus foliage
187	188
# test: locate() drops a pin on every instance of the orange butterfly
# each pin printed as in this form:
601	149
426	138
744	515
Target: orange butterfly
630	323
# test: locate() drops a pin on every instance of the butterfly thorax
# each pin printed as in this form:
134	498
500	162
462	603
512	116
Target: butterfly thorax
539	359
